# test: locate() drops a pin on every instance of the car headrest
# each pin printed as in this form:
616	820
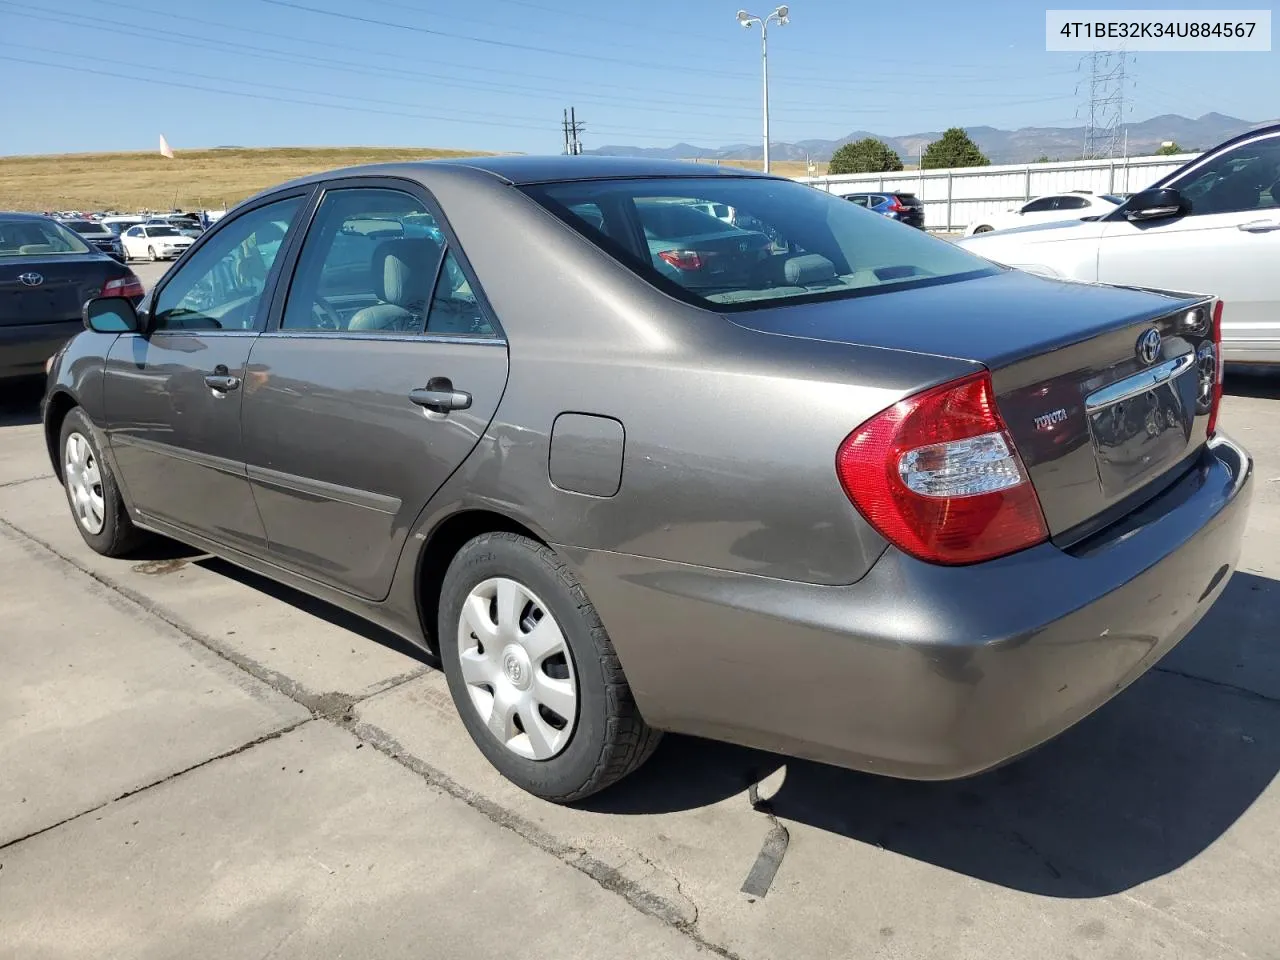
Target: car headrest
404	269
806	270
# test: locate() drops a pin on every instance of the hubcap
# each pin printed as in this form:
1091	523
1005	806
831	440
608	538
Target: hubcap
84	483
517	669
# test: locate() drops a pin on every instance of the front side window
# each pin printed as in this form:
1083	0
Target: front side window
221	286
368	265
37	238
1238	180
786	242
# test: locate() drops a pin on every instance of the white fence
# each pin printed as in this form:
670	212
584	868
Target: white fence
956	197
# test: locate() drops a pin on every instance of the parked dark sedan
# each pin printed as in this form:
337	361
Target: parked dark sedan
47	272
875	501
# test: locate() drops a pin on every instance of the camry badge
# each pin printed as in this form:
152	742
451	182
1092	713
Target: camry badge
32	279
1046	421
1148	347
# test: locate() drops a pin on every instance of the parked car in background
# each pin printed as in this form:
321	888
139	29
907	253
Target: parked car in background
904	207
696	248
875	501
47	272
152	241
118	224
97	235
1072	205
1212	226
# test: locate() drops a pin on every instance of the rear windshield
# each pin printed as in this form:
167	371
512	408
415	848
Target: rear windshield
783	241
37	238
83	226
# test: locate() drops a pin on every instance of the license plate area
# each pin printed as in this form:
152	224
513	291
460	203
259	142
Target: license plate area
1142	425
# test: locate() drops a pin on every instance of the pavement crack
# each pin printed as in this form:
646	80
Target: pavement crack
249	745
16	483
645	901
1220	684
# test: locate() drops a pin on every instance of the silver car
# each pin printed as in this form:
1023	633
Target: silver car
852	494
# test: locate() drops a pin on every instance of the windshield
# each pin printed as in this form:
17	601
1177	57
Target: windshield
37	238
162	232
785	242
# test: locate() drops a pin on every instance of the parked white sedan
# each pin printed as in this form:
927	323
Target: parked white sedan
153	242
1212	226
1072	205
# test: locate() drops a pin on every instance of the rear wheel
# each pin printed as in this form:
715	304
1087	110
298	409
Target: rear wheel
982	229
92	493
533	673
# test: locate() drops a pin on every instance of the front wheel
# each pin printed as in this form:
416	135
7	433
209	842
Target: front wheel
92	493
151	254
533	673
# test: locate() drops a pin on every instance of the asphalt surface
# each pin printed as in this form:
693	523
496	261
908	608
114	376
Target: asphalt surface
194	761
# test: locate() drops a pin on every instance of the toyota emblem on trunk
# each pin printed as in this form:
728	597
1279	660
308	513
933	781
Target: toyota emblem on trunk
1149	346
31	279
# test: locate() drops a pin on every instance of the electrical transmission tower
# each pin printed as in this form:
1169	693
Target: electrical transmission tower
571	127
1106	103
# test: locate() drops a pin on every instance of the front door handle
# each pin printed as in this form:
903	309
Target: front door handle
1260	226
222	382
439	396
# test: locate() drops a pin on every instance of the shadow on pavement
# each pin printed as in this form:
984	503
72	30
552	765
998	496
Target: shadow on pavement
1252	382
20	402
318	608
1135	791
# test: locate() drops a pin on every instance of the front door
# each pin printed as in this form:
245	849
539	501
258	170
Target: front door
172	395
382	376
1228	245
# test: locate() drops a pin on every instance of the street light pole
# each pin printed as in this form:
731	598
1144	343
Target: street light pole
780	16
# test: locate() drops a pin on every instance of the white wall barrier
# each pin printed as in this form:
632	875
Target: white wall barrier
954	198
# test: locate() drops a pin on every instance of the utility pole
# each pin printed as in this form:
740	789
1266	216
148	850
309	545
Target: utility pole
571	128
1105	106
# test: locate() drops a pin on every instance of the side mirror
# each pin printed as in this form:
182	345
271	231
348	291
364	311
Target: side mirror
110	315
1156	204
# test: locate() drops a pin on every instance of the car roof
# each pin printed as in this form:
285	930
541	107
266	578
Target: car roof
548	169
15	215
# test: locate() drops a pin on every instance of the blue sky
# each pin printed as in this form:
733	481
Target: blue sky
496	74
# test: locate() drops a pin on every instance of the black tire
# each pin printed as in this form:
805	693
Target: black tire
982	229
118	536
610	738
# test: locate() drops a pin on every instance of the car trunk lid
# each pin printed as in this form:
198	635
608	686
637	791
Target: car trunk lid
50	289
1100	407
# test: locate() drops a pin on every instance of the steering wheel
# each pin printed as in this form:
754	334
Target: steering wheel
326	317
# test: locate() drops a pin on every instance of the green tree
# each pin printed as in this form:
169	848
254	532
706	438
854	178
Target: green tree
953	149
1169	151
1044	158
868	155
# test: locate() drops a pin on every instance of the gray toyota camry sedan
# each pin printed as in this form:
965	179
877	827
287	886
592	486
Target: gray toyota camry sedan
639	446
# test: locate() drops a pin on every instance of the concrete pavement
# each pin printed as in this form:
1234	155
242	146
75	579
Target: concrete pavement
194	761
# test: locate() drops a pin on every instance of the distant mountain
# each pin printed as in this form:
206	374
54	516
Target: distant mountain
1025	145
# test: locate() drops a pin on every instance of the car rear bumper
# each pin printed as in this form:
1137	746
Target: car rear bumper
25	348
922	671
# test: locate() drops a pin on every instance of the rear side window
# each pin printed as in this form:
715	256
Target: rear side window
782	241
37	238
1072	203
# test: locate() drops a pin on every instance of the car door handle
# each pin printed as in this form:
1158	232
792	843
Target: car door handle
222	382
439	396
1260	226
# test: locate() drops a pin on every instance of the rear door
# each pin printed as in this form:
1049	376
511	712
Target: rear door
172	395
380	375
1228	246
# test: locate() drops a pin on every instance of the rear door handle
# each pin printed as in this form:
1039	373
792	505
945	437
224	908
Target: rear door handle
439	396
222	382
1260	226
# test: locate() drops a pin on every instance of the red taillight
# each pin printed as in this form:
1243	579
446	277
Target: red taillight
938	476
895	205
682	259
1221	368
129	286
